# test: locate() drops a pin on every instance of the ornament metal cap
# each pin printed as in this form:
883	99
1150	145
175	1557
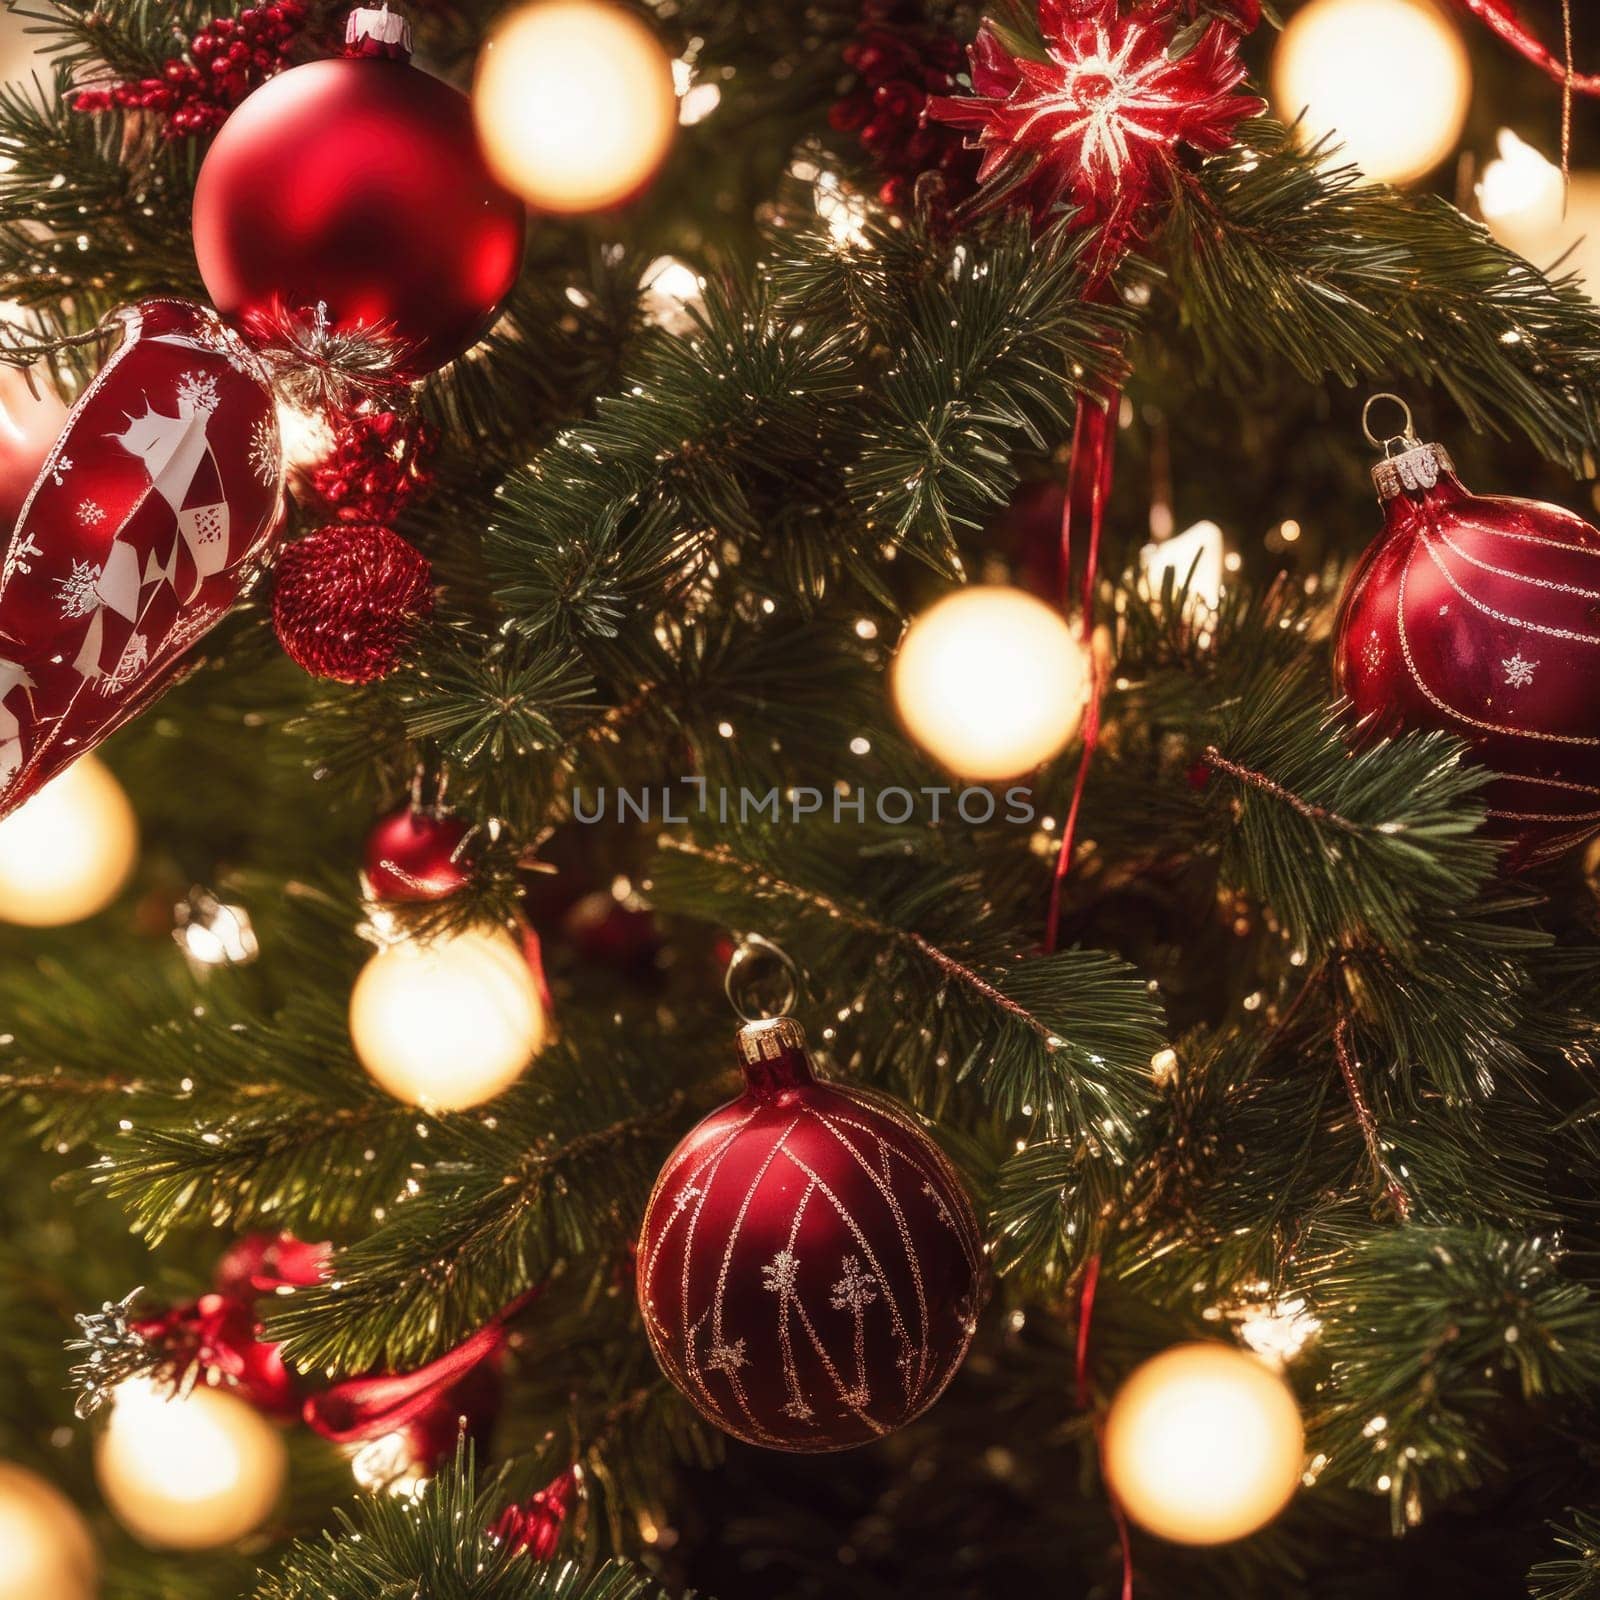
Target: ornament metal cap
378	31
774	1056
1416	468
768	1039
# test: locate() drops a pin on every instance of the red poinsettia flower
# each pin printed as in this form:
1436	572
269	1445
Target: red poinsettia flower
1098	125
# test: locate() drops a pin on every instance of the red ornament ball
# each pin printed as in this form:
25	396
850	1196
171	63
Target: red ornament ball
347	601
416	856
810	1269
1480	615
358	185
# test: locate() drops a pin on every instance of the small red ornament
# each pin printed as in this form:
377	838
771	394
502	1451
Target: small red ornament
150	517
1101	122
534	1528
347	601
810	1269
358	185
1480	615
415	855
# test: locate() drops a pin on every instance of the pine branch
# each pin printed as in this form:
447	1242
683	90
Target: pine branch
1279	254
1428	1332
437	1545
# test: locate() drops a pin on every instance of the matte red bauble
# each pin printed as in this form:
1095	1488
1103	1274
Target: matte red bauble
1480	615
358	185
152	514
810	1270
414	855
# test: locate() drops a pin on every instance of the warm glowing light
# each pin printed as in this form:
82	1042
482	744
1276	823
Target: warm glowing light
46	1552
189	1473
449	1022
66	853
1389	79
671	292
307	436
32	415
1278	1330
213	934
1520	191
575	104
991	682
1204	1444
1530	208
843	209
389	1465
1195	560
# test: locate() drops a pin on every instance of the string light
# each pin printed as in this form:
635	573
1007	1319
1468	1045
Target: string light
575	104
991	682
1388	79
448	1022
212	934
1529	207
1204	1444
1194	558
66	853
189	1472
671	292
46	1552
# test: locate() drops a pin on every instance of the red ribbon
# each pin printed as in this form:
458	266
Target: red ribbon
1093	454
1502	18
361	1409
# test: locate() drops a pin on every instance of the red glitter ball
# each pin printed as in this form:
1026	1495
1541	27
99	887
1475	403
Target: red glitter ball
348	599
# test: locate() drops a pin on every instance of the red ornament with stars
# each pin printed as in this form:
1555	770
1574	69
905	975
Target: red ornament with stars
1479	615
810	1269
1101	123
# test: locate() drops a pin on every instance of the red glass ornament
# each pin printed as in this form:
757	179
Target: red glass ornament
810	1268
357	184
415	855
1480	615
347	600
153	513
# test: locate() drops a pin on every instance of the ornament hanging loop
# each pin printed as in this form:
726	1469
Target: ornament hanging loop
1406	439
753	948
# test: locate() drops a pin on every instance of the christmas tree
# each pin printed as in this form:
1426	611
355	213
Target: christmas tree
792	889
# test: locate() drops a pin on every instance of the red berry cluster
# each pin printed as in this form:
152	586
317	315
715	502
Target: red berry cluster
900	62
347	601
378	466
224	62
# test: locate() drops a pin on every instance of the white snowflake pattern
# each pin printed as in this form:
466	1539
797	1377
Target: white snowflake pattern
91	513
1372	652
1519	672
797	1410
20	557
778	1274
58	473
686	1197
266	450
856	1290
198	390
727	1358
135	658
78	596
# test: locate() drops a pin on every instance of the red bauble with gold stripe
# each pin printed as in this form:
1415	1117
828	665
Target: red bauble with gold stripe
1480	616
810	1269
